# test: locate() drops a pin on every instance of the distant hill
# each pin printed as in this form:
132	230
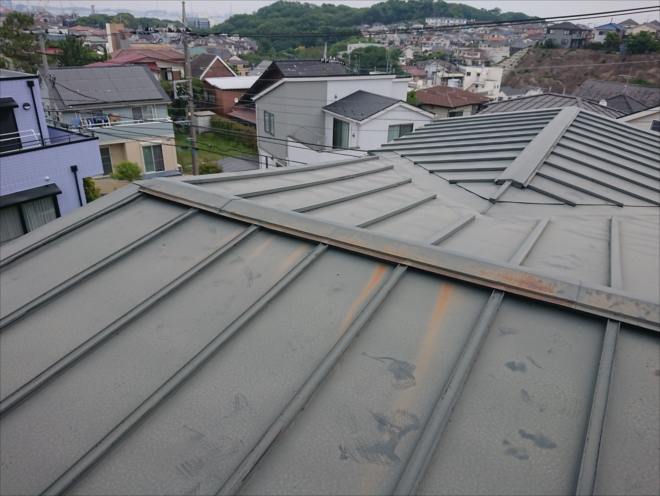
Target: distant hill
567	69
280	24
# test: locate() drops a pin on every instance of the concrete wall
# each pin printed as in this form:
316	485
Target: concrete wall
27	170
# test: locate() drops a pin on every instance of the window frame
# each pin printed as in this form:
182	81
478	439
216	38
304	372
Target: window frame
139	109
400	134
109	159
456	113
151	146
269	123
344	135
21	213
655	122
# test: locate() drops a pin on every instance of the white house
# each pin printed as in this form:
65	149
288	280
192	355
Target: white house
482	80
321	119
648	119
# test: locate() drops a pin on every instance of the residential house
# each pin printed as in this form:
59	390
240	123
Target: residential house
518	45
646	27
567	35
244	110
445	101
209	65
482	80
125	107
509	93
242	67
648	119
597	90
600	32
629	23
473	309
549	101
42	167
419	76
313	120
167	64
222	93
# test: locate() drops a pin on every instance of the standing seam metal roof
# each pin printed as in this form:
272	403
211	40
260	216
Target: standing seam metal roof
550	100
359	327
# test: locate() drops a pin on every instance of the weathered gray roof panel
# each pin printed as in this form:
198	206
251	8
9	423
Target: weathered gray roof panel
360	105
240	332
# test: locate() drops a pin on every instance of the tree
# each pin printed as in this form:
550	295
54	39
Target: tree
550	43
411	98
20	47
75	53
127	171
91	191
642	42
612	41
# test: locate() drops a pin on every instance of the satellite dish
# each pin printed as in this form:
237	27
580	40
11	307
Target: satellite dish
235	100
603	103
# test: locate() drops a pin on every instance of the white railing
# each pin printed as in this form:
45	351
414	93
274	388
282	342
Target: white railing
27	138
124	122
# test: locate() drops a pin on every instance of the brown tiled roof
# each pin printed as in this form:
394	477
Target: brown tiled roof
445	96
126	54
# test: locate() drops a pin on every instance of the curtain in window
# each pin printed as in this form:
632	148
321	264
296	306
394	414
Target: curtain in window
10	224
148	113
148	156
159	161
405	129
38	212
340	131
393	133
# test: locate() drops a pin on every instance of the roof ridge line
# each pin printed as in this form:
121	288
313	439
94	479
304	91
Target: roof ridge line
585	297
521	171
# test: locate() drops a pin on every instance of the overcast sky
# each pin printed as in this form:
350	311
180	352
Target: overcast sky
530	7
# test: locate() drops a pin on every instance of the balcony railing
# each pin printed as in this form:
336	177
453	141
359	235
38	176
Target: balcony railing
121	122
29	139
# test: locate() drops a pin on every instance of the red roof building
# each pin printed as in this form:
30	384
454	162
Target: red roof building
445	101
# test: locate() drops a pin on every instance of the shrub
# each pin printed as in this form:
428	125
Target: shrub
549	44
209	168
642	42
127	171
91	191
238	133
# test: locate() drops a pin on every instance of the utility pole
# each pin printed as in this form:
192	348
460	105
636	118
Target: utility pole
191	101
44	59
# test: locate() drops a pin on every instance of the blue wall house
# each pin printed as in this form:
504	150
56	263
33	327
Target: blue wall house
41	167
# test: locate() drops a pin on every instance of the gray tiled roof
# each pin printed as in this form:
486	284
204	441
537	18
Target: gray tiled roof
107	85
360	105
200	63
596	90
375	326
547	101
309	68
625	104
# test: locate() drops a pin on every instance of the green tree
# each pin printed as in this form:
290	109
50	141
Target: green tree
550	43
612	41
642	42
20	47
75	53
127	171
91	191
411	98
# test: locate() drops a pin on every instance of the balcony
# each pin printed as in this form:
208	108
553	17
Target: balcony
122	130
29	139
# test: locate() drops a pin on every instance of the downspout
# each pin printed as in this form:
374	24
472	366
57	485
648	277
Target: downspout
74	169
36	112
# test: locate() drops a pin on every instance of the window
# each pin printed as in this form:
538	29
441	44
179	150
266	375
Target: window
468	73
148	113
137	114
655	125
564	41
166	75
212	97
153	158
552	31
106	160
17	220
9	129
340	130
269	123
567	31
398	131
455	113
600	33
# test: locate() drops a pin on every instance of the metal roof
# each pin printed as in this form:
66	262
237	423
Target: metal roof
309	68
238	164
596	90
106	85
625	104
359	327
360	105
547	101
232	83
